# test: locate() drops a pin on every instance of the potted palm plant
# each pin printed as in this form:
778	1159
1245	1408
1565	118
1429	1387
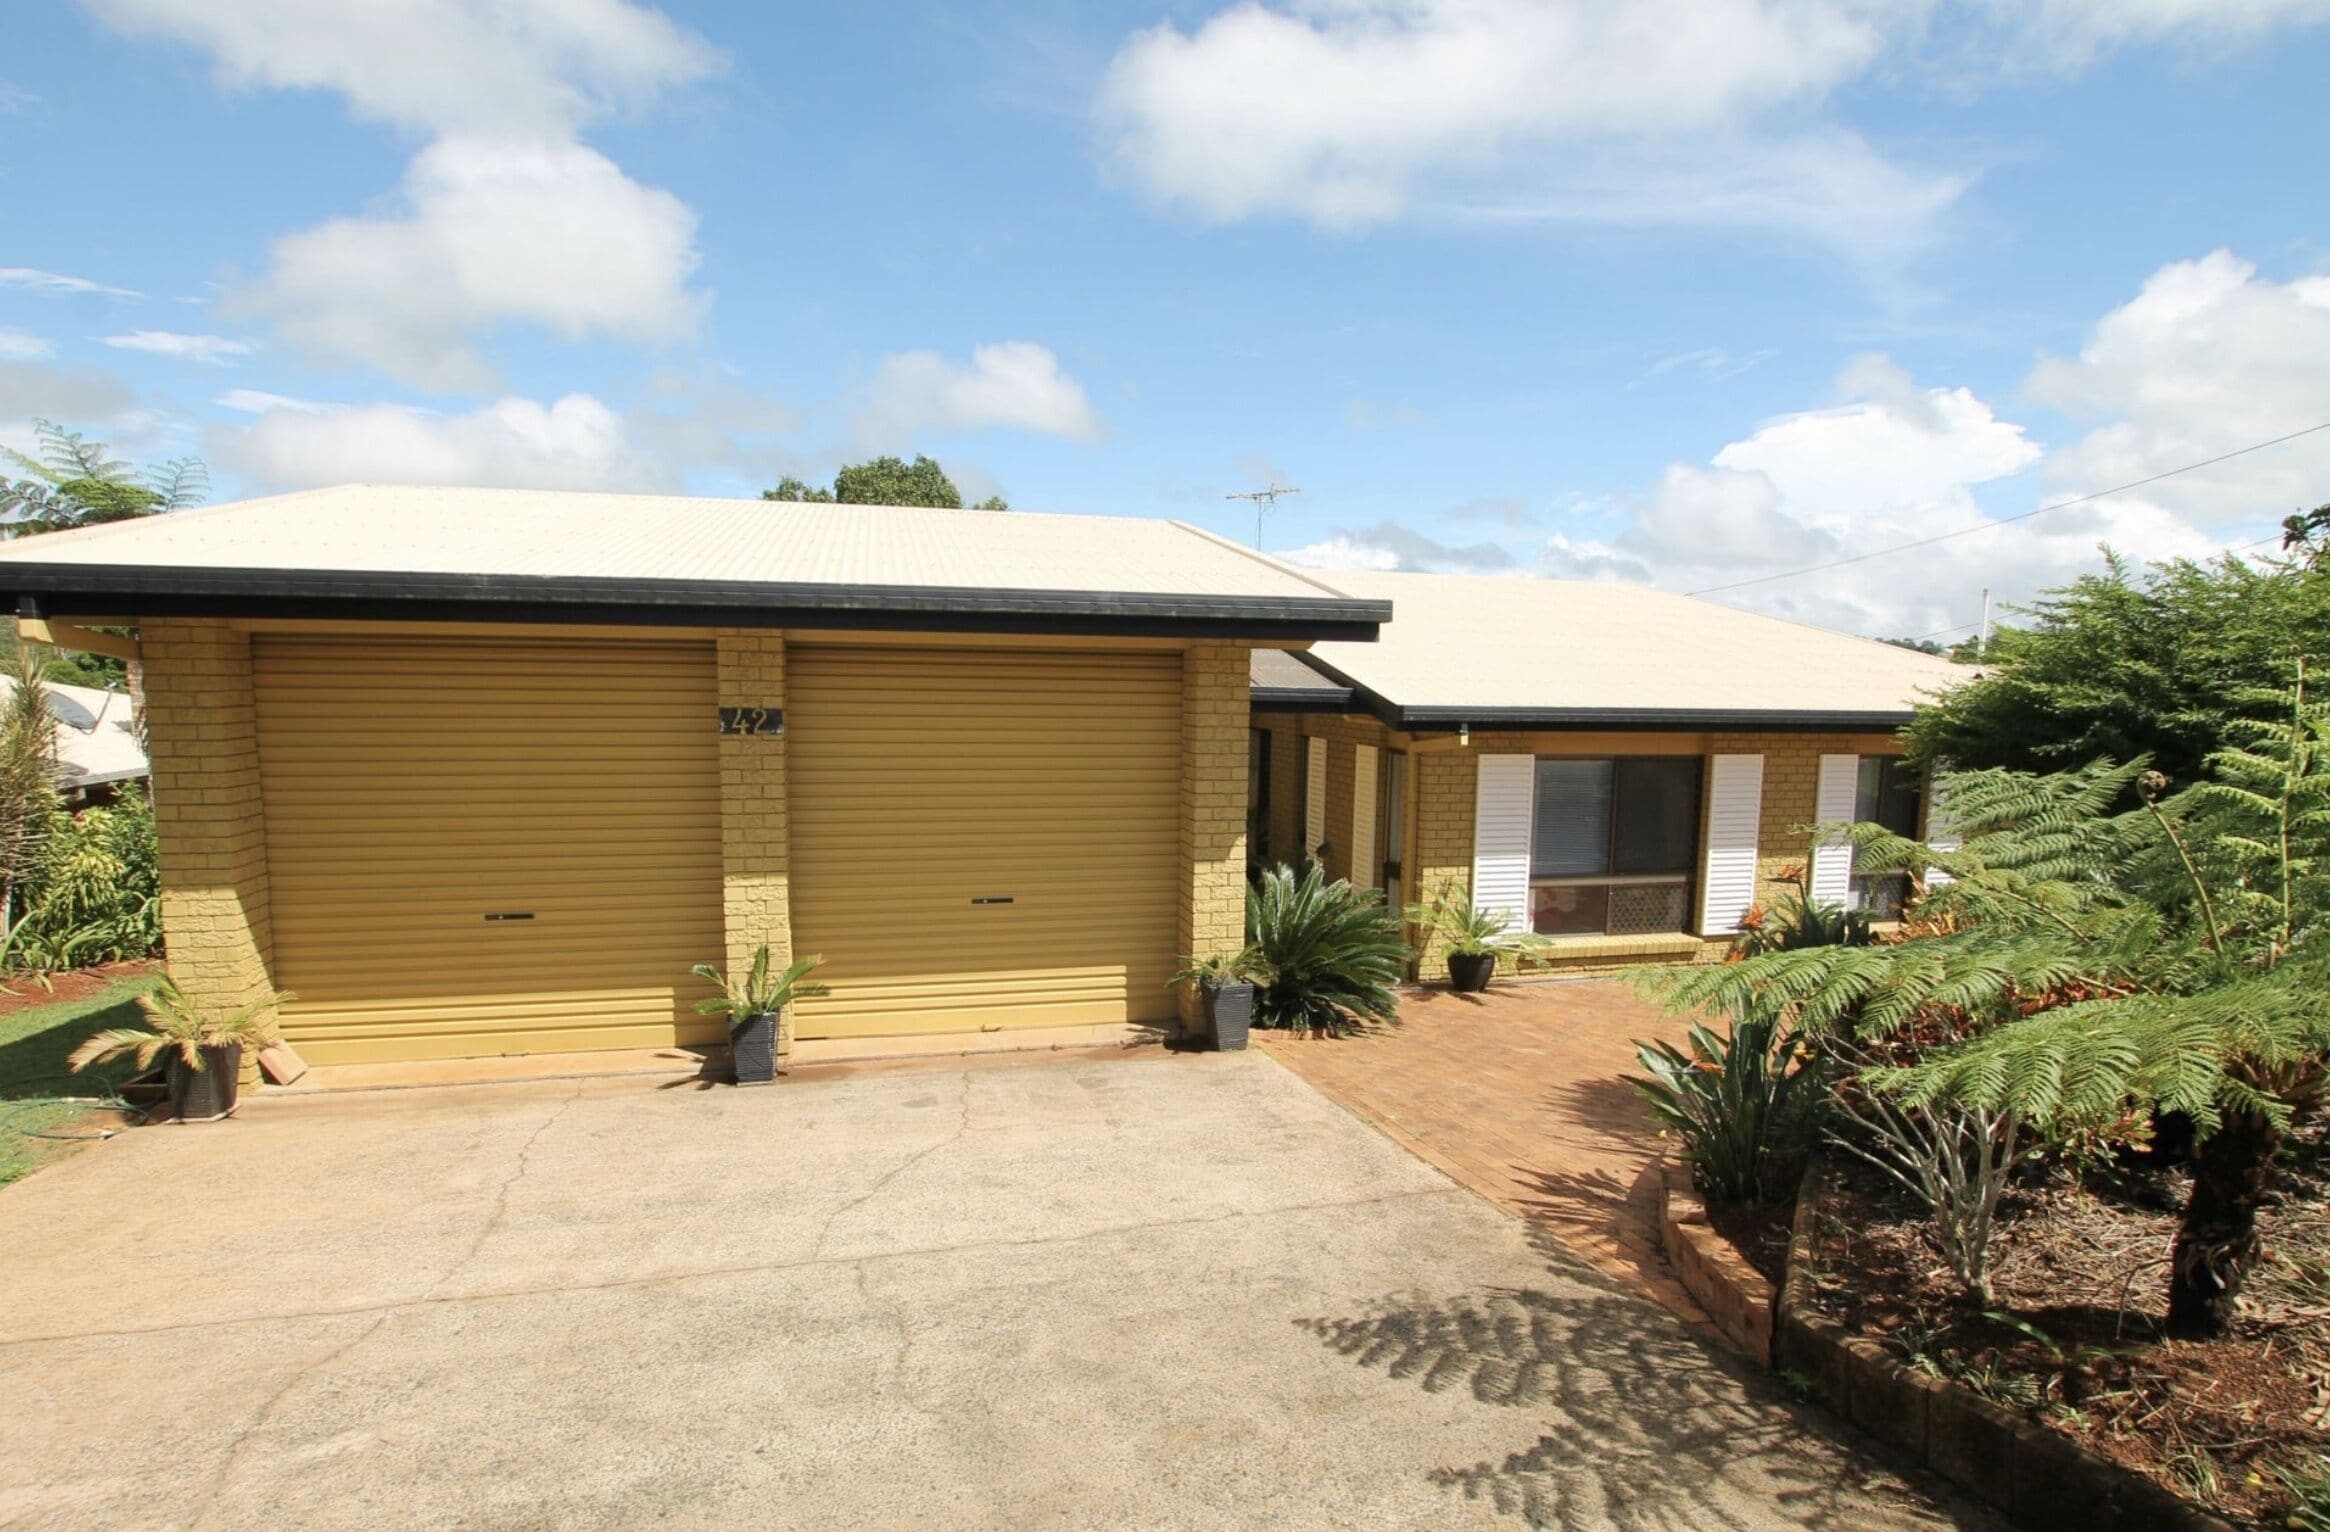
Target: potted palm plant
204	1049
1475	938
1225	987
753	1005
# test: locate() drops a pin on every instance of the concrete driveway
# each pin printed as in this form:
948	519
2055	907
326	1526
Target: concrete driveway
1108	1292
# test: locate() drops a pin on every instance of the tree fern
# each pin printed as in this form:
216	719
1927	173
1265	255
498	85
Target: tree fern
2084	962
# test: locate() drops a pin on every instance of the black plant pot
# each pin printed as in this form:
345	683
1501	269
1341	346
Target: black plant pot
1469	972
752	1046
1229	1013
207	1094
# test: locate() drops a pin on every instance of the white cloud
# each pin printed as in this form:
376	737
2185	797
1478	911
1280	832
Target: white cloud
573	443
23	346
1011	385
1642	113
506	215
1389	545
533	67
2207	358
1897	461
1340	110
211	350
257	401
2071	33
554	234
73	396
57	284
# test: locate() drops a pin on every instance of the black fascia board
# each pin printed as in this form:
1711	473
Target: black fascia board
153	591
1447	720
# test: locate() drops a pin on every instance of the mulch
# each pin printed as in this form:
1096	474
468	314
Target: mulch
22	994
1758	1232
2073	1337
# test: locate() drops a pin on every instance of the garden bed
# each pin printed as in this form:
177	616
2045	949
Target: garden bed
2072	1338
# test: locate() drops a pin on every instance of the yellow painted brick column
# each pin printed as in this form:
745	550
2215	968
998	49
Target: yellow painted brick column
1446	781
1213	806
754	859
202	737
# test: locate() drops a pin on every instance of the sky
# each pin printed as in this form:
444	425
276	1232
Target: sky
1696	292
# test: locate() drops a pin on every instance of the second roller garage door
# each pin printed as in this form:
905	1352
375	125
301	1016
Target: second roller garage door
983	839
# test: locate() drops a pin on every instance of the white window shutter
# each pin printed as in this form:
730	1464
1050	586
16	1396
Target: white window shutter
1365	868
1314	796
1735	823
1941	828
1832	857
1500	836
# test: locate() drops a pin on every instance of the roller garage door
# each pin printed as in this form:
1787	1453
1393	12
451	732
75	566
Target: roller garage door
983	839
481	847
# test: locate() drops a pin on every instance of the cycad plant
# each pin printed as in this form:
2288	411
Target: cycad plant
1331	953
176	1025
762	989
2085	964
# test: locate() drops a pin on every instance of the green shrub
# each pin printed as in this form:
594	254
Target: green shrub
93	893
1746	1104
1331	952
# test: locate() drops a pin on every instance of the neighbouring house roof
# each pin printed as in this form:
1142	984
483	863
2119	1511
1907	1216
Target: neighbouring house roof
1497	652
97	736
1280	683
388	551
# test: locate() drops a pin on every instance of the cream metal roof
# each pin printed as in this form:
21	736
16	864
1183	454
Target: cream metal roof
97	738
1279	676
662	553
1489	650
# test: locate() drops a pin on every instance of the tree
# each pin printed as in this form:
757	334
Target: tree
2307	536
884	481
2085	965
78	483
2121	665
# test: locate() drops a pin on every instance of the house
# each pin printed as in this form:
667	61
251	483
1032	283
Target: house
1626	771
97	740
483	772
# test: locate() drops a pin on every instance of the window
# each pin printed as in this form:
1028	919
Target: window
1612	845
1889	794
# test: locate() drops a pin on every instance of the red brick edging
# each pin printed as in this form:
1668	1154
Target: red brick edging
1738	1299
2039	1477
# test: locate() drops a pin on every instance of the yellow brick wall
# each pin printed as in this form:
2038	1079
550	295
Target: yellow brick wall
1447	780
202	737
1791	797
755	892
1213	805
1286	787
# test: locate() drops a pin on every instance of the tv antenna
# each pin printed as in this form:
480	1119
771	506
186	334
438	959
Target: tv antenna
1264	500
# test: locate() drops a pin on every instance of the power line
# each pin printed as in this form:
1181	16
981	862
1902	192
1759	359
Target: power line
2060	505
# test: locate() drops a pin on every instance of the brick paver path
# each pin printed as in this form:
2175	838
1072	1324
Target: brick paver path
1518	1095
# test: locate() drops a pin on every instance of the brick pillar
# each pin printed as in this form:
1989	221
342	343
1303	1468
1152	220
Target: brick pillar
1446	781
203	740
1213	806
755	892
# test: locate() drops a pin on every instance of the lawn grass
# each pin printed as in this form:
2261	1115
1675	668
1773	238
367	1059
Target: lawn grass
34	1043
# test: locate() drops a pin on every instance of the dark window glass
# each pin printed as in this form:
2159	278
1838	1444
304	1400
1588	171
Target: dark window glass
1569	909
1888	795
1656	825
1572	833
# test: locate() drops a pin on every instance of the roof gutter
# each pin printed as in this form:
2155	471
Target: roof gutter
43	588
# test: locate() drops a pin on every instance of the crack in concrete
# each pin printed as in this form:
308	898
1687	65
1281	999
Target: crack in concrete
753	1268
265	1414
882	1183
